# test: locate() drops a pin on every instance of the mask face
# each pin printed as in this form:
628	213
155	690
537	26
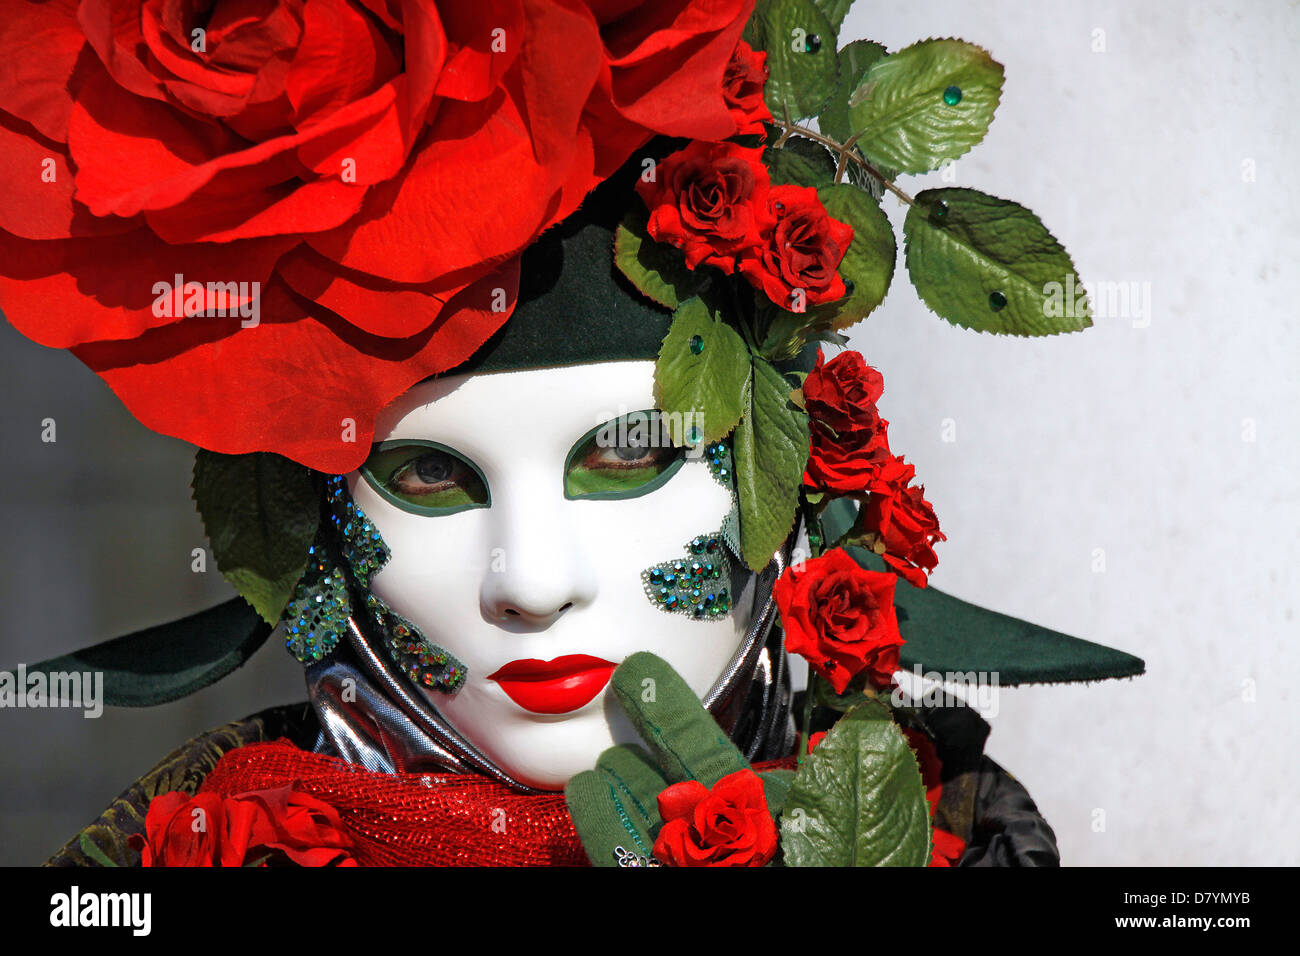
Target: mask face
520	530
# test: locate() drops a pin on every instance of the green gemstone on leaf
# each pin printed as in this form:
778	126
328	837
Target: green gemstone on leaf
812	43
939	210
697	345
694	436
952	95
997	301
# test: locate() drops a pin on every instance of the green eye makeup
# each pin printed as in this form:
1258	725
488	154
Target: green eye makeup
425	478
624	458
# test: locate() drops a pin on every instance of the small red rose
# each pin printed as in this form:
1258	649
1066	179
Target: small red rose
850	441
194	831
841	618
842	394
210	830
796	264
742	89
729	825
908	528
706	200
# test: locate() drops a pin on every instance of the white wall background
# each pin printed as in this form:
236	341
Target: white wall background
1170	447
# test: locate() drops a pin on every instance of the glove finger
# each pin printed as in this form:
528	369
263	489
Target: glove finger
776	787
637	781
685	740
607	836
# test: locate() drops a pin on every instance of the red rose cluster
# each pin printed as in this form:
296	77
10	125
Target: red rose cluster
715	202
279	825
850	456
837	614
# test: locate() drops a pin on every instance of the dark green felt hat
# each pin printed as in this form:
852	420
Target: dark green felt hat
574	305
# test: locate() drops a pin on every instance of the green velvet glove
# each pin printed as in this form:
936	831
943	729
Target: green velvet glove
615	807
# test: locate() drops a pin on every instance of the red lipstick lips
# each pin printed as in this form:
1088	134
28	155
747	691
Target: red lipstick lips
554	687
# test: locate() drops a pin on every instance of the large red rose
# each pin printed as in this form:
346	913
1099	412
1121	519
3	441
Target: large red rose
278	825
356	175
796	264
708	200
908	529
729	825
841	618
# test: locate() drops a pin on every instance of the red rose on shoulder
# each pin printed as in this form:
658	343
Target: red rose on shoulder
305	830
797	262
742	87
706	200
362	173
729	825
203	830
210	830
841	618
908	529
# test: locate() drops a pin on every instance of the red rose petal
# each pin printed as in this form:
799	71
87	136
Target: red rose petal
289	384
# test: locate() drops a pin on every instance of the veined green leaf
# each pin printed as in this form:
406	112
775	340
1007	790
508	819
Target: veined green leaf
925	104
769	449
702	374
657	269
800	162
990	265
858	799
855	60
802	72
260	512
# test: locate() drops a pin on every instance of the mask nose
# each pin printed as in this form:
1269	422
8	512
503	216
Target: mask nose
538	569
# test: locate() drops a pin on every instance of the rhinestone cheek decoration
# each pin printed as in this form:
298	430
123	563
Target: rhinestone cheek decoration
316	618
697	586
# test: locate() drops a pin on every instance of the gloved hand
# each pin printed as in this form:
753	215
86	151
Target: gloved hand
615	806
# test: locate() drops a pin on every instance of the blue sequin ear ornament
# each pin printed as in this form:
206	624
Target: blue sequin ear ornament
347	553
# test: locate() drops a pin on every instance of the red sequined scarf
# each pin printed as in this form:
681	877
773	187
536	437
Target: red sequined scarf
411	819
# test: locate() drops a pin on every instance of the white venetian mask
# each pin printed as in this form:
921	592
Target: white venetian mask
518	542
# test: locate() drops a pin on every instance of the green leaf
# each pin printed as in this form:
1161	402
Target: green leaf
990	265
657	269
902	116
858	799
835	11
869	261
801	162
260	512
799	81
770	449
708	388
855	60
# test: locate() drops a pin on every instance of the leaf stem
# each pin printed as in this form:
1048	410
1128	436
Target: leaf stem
843	150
